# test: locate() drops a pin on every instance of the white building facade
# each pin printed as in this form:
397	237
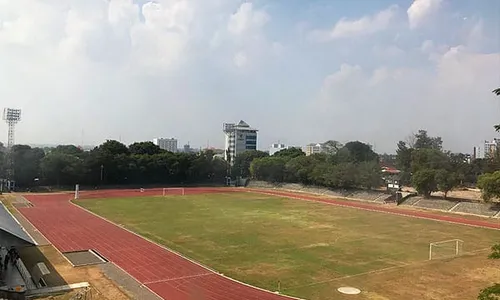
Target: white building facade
166	144
491	148
276	148
239	138
313	149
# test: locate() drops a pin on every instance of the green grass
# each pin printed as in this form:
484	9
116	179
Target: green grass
261	239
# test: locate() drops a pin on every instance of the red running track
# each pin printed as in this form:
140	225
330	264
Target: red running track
171	276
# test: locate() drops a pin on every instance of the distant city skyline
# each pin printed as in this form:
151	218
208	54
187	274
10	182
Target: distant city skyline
300	71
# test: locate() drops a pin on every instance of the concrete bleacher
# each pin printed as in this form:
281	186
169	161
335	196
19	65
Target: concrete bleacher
439	204
370	195
483	209
411	201
466	206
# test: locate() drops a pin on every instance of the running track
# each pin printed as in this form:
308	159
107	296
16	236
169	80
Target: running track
70	228
170	276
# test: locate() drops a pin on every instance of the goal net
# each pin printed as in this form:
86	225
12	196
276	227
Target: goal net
173	191
445	249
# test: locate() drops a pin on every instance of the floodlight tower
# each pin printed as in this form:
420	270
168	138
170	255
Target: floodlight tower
11	117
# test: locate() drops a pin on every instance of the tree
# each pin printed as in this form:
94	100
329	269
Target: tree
331	147
68	149
26	164
241	166
446	181
424	141
424	181
428	158
491	292
62	168
360	152
369	175
144	148
489	184
497	92
291	152
270	169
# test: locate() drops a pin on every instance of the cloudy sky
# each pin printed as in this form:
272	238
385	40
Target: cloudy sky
300	71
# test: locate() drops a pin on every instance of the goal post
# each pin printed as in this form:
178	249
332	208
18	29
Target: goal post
173	191
445	249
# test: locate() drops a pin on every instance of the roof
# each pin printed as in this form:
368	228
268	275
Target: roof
11	226
242	124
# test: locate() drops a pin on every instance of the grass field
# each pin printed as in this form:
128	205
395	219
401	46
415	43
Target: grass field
311	248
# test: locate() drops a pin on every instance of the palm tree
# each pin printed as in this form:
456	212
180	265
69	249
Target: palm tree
497	92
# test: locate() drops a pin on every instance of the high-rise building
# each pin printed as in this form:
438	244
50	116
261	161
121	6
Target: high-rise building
313	149
276	148
491	147
477	153
239	138
166	144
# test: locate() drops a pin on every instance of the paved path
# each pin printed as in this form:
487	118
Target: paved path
171	276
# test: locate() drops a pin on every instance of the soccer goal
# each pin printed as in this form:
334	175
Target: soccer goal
173	191
445	249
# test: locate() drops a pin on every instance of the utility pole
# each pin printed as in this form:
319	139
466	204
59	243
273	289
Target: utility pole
102	173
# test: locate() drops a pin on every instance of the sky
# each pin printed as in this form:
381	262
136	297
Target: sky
299	71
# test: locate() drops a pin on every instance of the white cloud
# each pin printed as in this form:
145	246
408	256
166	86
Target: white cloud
421	10
247	19
346	28
240	59
441	99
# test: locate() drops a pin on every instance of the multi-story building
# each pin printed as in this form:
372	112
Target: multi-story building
239	138
313	149
166	144
276	148
477	153
491	147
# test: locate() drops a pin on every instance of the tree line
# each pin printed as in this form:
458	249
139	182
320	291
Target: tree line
353	165
111	163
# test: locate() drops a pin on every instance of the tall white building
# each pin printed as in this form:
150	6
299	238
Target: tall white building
491	147
477	152
239	138
276	148
166	144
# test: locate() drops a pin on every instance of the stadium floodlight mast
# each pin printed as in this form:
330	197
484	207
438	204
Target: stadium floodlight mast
11	116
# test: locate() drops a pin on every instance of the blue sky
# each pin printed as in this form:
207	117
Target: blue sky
299	71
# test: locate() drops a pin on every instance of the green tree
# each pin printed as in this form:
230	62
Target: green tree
446	181
291	152
424	181
424	141
369	175
331	147
270	169
241	166
61	168
360	152
142	148
428	158
489	184
26	164
491	292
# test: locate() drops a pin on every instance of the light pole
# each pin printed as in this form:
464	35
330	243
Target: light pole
102	172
